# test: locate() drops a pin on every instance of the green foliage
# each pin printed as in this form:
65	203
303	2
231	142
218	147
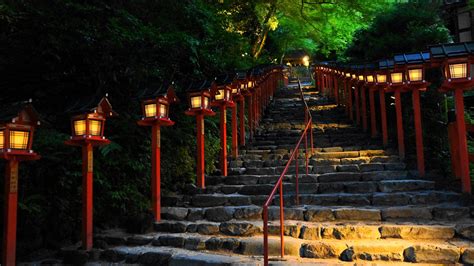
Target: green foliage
402	28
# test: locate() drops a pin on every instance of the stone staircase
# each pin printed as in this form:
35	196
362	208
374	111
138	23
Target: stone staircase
358	204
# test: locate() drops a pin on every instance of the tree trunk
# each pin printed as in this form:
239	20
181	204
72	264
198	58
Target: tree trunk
261	39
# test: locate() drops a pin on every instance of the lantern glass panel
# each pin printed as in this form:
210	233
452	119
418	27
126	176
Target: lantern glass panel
2	139
396	77
242	86
361	77
206	102
19	139
79	127
220	95
353	76
150	110
250	84
415	74
457	71
95	127
370	78
196	101
163	110
381	78
234	90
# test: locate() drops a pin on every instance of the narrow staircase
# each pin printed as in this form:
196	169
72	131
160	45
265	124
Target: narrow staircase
358	204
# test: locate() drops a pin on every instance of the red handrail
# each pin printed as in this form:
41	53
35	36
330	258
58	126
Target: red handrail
279	183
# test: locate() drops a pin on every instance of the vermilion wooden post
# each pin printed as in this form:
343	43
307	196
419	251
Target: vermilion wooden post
223	130
373	125
346	96
462	140
454	148
10	213
357	103
235	140
87	199
250	114
242	121
383	117
336	91
400	133
200	164
351	107
364	108
418	132
156	172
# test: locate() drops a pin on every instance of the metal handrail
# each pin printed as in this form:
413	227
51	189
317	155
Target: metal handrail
279	183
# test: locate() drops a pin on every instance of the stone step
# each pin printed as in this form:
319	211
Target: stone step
393	250
328	187
318	213
331	176
422	197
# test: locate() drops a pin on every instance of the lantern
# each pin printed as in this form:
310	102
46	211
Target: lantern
155	110
381	78
369	78
199	100
17	128
397	78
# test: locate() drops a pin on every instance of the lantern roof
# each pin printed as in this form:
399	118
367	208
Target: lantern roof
19	111
240	75
162	89
199	85
411	58
96	103
224	79
452	49
369	66
386	63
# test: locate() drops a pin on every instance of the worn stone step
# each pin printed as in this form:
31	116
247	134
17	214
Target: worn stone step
264	188
393	250
318	213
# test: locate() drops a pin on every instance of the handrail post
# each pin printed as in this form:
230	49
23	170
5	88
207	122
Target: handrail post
282	241
297	183
306	150
265	235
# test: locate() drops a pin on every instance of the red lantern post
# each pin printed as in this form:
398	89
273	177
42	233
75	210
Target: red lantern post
199	98
221	92
456	61
413	66
16	140
87	133
396	84
155	112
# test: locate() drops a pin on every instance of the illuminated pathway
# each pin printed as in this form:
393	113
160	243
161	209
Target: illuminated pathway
359	203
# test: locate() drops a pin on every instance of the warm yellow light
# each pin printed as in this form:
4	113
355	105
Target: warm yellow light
196	101
19	140
220	95
381	78
354	76
348	75
150	110
396	77
234	90
370	78
415	74
2	140
361	77
250	84
95	127
206	102
163	110
457	71
79	127
306	60
242	86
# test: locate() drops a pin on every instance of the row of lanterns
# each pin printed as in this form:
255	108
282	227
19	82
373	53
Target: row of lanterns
400	74
16	136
